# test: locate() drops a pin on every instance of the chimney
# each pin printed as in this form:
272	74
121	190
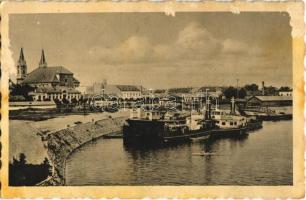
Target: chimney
263	88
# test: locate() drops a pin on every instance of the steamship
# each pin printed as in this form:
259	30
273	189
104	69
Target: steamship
229	123
151	126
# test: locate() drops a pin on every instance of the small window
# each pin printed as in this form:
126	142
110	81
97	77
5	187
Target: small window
235	123
231	123
223	123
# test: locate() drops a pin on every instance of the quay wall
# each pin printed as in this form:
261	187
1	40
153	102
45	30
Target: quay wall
62	143
31	104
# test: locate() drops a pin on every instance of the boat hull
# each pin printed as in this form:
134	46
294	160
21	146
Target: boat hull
254	125
154	132
229	132
275	117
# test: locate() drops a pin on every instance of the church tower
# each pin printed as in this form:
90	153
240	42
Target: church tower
42	62
21	68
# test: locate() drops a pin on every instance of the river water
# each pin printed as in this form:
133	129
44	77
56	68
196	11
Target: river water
262	158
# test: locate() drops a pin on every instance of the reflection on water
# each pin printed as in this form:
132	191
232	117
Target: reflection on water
262	158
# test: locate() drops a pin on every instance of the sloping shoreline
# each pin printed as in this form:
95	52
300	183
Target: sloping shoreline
60	144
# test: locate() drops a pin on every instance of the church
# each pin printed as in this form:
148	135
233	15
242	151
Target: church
49	82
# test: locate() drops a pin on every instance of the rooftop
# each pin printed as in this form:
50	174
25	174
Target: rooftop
46	74
274	98
127	88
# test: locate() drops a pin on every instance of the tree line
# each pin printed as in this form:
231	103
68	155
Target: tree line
252	89
21	173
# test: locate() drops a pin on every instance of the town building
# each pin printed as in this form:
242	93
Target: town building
97	88
268	101
123	91
211	91
285	91
49	83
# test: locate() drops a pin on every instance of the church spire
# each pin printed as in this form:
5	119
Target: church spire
21	60
21	68
42	62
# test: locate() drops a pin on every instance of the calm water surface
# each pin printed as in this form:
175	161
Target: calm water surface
262	158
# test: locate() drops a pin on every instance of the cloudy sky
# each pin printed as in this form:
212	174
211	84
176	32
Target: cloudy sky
160	51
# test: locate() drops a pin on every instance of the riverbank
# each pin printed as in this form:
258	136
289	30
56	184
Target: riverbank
60	144
32	114
29	137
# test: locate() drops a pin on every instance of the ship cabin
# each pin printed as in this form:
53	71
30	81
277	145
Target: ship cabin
231	121
217	114
140	113
195	121
174	116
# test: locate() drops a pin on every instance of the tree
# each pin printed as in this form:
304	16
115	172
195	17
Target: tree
271	90
15	161
46	162
65	101
22	159
46	165
159	91
242	93
179	90
252	87
74	101
22	90
230	92
284	89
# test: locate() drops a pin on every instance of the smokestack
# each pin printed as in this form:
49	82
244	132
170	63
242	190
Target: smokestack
233	106
263	88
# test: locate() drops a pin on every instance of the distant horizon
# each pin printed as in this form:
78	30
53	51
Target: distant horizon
159	51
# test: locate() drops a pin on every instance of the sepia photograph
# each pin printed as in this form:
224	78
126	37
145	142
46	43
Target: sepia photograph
150	99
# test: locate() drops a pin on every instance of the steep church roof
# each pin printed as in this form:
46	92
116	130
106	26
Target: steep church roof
45	74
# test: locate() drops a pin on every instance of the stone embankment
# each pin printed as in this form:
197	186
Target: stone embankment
61	144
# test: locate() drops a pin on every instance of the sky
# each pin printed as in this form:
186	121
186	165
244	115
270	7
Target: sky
191	49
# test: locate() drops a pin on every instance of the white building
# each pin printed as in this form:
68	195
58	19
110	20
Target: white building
123	91
285	93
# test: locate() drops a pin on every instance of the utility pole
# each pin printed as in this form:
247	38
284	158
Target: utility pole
237	89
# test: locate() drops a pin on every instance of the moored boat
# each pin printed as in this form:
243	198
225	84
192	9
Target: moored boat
230	126
268	114
254	123
228	122
153	127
